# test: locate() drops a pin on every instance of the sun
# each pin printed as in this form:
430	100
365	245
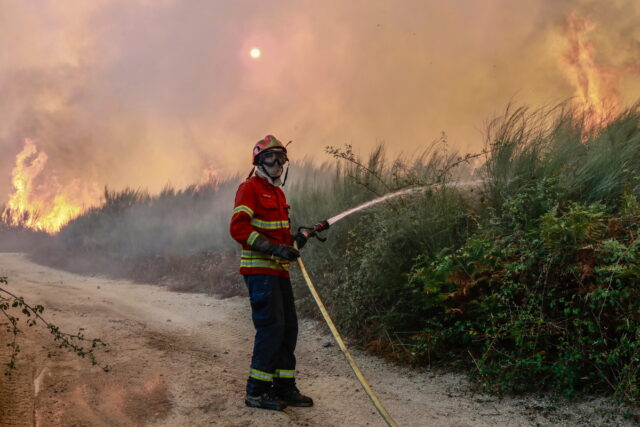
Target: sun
255	53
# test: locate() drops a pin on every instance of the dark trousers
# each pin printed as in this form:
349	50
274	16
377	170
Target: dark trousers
274	316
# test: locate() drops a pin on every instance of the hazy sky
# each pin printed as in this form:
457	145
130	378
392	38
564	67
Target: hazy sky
143	93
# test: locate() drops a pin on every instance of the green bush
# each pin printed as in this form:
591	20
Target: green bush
555	305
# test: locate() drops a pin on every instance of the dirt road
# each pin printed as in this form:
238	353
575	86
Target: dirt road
182	360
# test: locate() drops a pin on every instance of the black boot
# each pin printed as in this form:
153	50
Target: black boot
290	394
266	400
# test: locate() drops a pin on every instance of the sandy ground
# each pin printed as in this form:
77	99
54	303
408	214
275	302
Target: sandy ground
182	360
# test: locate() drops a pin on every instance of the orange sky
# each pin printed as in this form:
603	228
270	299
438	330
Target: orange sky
143	93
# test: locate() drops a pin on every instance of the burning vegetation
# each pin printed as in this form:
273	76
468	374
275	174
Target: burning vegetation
596	86
41	203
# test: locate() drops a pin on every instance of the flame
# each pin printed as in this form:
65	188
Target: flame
597	89
47	206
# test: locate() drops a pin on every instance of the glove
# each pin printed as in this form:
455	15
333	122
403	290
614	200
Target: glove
300	239
287	252
262	244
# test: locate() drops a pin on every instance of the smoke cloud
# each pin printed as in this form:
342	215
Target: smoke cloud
144	93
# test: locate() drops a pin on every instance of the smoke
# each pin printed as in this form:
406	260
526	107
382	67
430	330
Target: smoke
144	93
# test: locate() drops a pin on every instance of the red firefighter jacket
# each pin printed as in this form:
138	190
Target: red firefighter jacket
261	208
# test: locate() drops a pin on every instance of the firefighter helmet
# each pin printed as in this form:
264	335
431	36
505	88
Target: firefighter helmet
267	143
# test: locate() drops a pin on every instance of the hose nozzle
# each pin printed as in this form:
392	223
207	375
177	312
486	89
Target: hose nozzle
321	226
315	230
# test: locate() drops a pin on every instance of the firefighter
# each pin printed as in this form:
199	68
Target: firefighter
260	223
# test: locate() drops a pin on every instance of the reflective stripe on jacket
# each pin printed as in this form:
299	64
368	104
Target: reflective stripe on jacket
261	209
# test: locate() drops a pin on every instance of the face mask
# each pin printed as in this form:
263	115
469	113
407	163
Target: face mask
274	170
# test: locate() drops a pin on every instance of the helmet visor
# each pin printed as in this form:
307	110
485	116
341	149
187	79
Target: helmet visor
272	157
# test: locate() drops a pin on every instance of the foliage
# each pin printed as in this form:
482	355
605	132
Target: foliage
71	342
553	306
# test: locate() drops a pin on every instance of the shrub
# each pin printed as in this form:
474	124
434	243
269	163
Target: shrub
554	305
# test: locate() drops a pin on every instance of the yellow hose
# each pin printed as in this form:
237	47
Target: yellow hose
334	331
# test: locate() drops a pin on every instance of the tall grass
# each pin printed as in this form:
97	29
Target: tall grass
552	145
134	223
20	239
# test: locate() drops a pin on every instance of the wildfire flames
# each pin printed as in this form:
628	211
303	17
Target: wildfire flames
43	204
597	89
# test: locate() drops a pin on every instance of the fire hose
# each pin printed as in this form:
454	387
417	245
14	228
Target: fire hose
313	232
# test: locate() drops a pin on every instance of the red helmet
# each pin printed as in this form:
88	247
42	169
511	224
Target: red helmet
267	143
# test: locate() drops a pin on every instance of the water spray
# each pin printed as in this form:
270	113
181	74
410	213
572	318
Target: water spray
324	225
